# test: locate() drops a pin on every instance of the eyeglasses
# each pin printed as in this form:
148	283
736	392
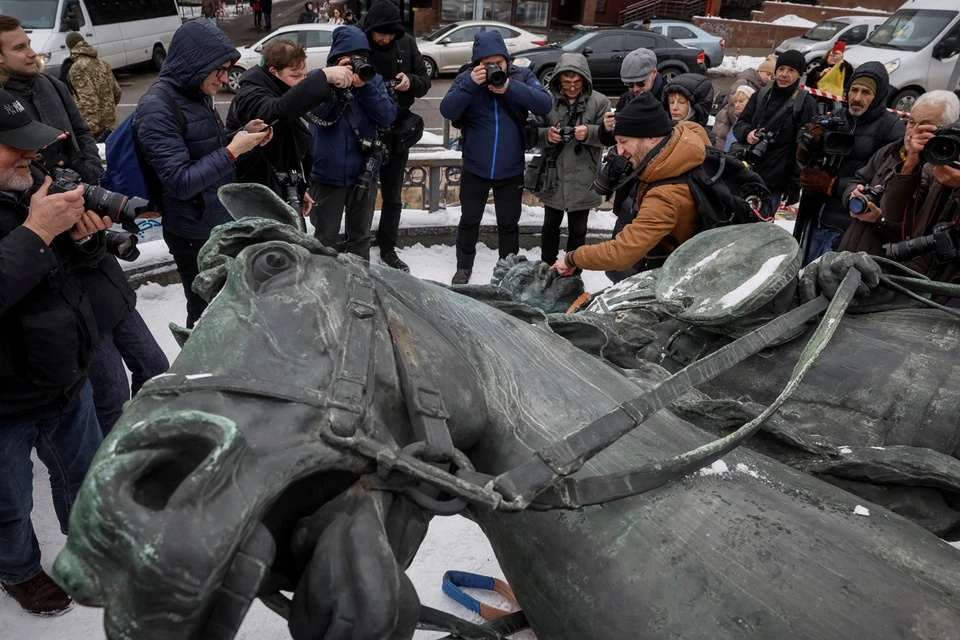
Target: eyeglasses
220	71
638	85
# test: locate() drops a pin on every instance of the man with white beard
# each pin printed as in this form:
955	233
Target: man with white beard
48	335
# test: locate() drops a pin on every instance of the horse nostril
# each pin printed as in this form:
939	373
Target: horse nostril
179	457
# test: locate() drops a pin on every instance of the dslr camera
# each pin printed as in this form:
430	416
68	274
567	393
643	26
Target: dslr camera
496	77
826	150
362	68
567	135
118	207
756	152
391	87
290	182
944	242
944	148
614	168
870	195
373	151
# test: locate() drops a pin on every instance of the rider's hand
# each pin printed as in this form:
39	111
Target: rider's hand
553	135
51	215
581	132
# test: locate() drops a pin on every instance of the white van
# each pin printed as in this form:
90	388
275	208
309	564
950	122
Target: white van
125	32
920	47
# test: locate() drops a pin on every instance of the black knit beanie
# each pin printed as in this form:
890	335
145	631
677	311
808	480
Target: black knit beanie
793	59
643	117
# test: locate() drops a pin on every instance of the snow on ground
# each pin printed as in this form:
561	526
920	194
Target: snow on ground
792	20
733	65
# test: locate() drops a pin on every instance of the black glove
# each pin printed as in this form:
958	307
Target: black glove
791	195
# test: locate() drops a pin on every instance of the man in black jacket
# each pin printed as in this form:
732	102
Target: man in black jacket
47	100
280	91
394	54
781	108
823	216
47	337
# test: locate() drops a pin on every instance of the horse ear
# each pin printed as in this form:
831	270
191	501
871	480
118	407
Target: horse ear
247	200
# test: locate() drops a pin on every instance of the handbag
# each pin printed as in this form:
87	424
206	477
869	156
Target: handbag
407	131
540	176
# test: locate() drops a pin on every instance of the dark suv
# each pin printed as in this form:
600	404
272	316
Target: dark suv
605	50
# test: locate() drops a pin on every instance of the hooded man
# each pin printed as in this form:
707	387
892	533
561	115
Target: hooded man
777	112
665	213
823	216
395	56
493	120
195	161
347	152
93	83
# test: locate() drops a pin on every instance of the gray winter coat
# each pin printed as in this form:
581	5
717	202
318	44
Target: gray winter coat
575	171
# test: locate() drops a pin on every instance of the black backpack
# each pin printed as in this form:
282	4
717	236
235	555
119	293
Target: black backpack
725	191
65	74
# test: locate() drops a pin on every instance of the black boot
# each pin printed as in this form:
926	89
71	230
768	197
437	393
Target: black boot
462	276
39	595
391	259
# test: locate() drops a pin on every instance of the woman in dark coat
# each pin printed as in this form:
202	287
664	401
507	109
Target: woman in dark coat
689	97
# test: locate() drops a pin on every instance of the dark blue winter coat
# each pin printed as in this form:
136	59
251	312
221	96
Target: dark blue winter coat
194	163
493	129
337	157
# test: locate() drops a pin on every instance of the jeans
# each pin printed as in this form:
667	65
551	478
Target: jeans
328	211
507	197
66	443
550	233
268	25
132	343
257	18
818	240
185	252
391	184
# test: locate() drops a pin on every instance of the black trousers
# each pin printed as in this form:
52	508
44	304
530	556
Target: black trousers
328	211
507	196
391	184
550	234
185	252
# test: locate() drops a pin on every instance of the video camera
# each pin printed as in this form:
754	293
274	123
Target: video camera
944	242
944	148
826	150
611	173
496	77
869	195
118	207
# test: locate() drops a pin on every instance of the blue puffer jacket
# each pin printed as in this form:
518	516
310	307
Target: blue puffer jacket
493	146
337	158
194	163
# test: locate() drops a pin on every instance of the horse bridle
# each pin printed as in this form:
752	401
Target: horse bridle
543	482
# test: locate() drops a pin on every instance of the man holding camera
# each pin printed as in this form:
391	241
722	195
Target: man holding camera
47	339
490	104
833	149
194	160
770	123
870	229
395	56
347	151
279	91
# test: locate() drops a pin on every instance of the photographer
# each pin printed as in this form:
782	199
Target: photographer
919	197
870	230
192	162
665	215
571	142
395	56
866	126
770	123
347	151
279	91
490	104
47	339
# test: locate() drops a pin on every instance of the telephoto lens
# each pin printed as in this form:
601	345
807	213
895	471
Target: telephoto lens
362	68
614	168
116	206
496	77
122	244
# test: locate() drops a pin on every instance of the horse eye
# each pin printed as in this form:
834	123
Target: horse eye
270	263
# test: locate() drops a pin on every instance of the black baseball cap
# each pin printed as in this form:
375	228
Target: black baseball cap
19	130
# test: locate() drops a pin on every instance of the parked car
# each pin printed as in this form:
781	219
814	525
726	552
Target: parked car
689	36
920	47
819	39
139	31
450	47
317	38
605	50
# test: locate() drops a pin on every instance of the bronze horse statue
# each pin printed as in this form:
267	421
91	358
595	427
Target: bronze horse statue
311	426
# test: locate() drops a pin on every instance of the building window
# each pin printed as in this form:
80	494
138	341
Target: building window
456	10
532	13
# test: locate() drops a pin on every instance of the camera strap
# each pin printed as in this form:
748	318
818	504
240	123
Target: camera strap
777	118
353	123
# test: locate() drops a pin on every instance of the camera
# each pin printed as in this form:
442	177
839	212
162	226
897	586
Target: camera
496	77
362	68
825	151
944	242
567	135
118	207
614	168
391	87
122	244
870	195
372	151
755	153
944	147
290	182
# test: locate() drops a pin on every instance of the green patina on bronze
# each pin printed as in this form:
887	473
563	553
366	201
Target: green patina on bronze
221	482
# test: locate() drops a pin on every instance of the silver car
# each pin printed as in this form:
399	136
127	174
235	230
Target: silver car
689	36
819	39
450	47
